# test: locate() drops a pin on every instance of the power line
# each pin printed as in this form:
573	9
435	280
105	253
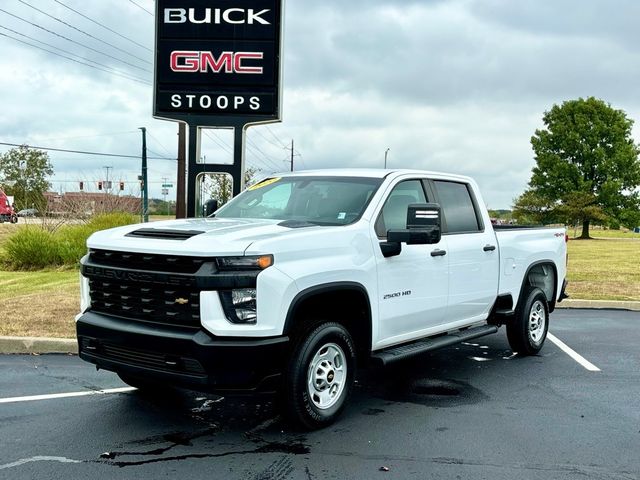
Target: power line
82	61
159	143
111	72
73	41
87	136
83	32
282	144
101	154
103	26
222	144
141	7
251	144
258	132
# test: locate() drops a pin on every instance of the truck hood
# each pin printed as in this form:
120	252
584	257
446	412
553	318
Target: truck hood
219	237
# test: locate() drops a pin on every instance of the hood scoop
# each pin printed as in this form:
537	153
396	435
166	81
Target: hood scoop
296	224
164	234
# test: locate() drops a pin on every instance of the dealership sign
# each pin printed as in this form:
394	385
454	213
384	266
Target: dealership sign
218	59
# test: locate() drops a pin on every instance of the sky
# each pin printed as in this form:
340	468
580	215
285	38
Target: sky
455	86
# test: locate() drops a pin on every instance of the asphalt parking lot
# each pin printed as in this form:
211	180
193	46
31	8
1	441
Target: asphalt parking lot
471	411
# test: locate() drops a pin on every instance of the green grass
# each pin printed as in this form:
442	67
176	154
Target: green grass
39	304
597	232
604	269
26	283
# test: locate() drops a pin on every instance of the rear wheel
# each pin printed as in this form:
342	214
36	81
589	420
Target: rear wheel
528	329
320	376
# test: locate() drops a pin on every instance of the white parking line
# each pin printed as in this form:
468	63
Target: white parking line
38	458
52	396
572	353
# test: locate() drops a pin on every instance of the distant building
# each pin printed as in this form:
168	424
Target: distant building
80	204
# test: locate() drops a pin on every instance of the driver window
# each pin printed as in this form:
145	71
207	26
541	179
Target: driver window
394	211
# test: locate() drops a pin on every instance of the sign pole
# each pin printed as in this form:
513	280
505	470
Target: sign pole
193	171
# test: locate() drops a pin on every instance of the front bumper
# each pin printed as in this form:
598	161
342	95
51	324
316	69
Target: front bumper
181	357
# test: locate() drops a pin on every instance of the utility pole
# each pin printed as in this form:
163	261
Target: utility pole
386	152
107	185
292	154
145	187
181	209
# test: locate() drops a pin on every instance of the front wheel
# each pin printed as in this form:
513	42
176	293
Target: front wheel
320	376
14	219
528	329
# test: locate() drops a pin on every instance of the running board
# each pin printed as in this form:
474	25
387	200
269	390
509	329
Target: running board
402	352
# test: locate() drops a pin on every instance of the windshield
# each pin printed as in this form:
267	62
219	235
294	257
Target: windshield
318	200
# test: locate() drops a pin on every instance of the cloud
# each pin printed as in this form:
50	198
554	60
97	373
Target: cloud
454	86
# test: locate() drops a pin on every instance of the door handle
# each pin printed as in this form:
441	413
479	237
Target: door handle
489	248
438	253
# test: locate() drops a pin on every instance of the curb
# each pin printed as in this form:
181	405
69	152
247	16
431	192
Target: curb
600	304
38	345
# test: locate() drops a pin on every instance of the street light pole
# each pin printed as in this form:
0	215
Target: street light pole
386	152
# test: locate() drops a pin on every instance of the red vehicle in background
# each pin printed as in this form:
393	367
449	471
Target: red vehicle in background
7	213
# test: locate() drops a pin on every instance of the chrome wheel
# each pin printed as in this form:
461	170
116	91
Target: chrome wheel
326	377
537	322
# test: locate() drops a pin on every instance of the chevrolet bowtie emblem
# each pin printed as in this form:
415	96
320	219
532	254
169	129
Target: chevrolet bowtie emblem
181	301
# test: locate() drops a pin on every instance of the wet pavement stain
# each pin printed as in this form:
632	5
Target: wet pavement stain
431	392
245	417
291	448
373	411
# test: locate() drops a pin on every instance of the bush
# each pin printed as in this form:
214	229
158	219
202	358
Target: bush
32	247
72	243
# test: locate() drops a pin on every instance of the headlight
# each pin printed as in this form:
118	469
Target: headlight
240	305
252	262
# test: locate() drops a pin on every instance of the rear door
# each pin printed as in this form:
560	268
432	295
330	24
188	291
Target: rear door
472	251
412	286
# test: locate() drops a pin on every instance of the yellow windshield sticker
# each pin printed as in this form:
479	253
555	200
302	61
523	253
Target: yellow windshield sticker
264	183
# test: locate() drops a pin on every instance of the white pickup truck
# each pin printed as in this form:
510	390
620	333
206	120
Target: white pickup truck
303	276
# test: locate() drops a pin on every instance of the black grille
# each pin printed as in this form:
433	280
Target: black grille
148	303
147	261
142	358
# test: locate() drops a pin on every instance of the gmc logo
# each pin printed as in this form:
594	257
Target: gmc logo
203	62
232	16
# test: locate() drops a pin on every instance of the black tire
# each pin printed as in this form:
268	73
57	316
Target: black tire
525	333
142	384
303	408
14	219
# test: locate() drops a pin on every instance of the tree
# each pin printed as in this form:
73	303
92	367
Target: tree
587	166
24	174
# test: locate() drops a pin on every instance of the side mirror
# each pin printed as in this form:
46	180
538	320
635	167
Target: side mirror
423	225
210	206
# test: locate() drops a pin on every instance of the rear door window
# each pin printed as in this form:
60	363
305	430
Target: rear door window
458	207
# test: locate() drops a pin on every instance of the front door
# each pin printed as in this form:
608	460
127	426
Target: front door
413	286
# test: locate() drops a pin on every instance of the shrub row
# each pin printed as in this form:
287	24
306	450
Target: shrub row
33	247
